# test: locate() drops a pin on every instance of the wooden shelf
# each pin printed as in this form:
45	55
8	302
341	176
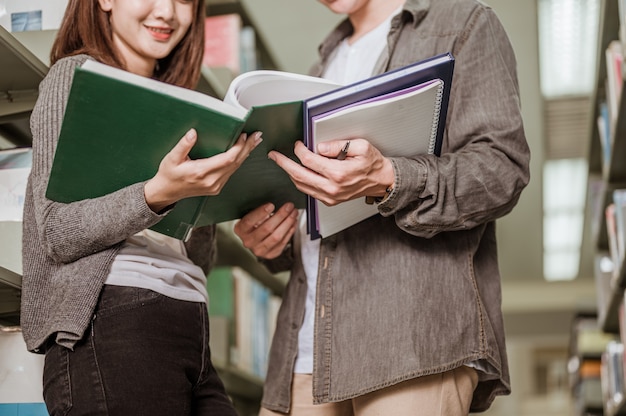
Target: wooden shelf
11	254
239	383
22	72
230	252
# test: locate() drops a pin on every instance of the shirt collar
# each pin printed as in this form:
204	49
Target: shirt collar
413	11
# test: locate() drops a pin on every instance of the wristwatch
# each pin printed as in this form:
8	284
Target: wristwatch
378	199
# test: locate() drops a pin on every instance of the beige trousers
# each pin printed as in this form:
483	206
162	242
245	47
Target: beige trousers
445	394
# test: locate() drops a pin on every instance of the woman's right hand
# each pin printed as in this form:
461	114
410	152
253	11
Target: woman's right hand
180	177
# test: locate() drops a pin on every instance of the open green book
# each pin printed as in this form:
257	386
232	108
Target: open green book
118	126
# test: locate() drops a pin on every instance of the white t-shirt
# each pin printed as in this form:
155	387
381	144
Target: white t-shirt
348	64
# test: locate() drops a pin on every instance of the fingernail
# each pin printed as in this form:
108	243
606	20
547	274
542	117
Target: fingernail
269	208
289	207
271	156
258	137
323	147
190	135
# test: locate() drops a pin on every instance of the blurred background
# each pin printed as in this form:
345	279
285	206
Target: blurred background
562	274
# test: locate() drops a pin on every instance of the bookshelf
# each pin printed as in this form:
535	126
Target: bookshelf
22	71
587	345
607	173
24	58
606	177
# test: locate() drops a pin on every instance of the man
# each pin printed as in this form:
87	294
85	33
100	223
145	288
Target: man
400	314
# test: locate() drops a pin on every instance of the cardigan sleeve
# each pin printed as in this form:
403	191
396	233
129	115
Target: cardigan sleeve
73	230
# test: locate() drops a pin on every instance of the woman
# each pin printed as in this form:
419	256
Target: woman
119	310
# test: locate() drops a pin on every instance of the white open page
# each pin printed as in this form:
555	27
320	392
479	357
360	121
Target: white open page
265	87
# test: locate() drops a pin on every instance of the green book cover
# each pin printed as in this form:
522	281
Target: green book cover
116	131
260	180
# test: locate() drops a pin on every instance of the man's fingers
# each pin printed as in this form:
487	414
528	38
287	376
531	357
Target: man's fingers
335	149
274	242
252	220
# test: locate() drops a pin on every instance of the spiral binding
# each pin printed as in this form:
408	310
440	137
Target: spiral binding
435	125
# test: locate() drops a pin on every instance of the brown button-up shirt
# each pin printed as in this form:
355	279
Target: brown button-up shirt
416	290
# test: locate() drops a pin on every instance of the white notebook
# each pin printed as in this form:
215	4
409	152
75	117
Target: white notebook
401	123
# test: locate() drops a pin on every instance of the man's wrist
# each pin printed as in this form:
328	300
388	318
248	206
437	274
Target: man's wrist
378	199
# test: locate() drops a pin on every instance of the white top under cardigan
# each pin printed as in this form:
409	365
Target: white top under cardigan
154	261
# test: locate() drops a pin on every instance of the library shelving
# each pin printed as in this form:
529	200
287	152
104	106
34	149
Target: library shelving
22	71
610	174
24	58
215	80
607	173
587	345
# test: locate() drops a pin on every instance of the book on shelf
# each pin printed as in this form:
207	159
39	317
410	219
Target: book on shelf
590	340
221	307
619	200
250	311
97	155
621	318
612	376
604	133
248	57
603	276
611	231
595	200
222	41
614	60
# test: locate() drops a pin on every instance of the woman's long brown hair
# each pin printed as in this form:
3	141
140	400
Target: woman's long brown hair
86	29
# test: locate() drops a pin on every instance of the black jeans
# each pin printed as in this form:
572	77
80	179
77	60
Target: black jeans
144	354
